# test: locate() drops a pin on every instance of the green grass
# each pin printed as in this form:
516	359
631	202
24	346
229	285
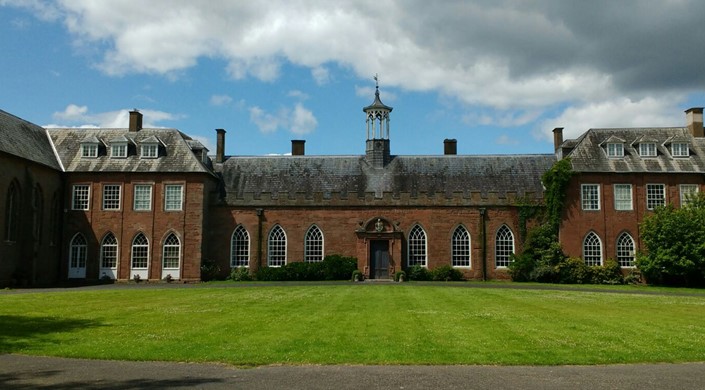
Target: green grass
355	324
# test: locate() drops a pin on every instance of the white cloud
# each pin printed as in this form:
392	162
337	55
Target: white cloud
321	75
298	94
79	116
220	100
506	140
298	120
620	112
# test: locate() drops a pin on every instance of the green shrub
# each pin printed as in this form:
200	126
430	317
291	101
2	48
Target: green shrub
210	270
610	273
271	274
400	275
633	277
304	271
240	274
337	267
357	276
417	272
446	273
573	271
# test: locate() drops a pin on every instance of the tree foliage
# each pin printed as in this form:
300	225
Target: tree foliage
674	239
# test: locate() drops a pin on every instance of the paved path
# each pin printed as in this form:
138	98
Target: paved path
27	372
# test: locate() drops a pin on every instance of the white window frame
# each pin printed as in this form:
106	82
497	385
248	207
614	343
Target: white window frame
620	202
109	251
652	200
110	197
461	248
590	197
418	247
615	149
149	150
78	251
89	150
686	191
171	252
680	149
276	247
592	249
139	251
503	247
648	149
81	189
240	248
136	198
314	245
626	248
118	150
170	203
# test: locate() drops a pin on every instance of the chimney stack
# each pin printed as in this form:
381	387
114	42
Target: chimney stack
450	147
557	138
298	147
135	120
220	146
694	121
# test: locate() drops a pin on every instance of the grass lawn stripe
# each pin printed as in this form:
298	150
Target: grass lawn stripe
356	324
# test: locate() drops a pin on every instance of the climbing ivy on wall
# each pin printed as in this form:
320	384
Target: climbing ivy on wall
556	180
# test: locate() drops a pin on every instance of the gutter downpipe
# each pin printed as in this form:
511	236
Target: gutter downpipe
484	243
260	215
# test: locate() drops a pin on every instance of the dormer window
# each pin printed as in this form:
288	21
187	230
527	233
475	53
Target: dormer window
680	149
89	150
118	150
615	150
150	150
647	150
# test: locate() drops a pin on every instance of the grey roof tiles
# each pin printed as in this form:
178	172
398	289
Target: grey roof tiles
26	140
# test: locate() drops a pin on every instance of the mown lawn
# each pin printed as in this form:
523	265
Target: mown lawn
355	324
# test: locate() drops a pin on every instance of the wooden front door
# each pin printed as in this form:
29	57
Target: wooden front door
379	259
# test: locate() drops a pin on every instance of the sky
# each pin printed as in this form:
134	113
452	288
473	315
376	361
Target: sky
497	75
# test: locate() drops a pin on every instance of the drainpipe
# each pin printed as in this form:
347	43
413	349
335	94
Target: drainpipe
483	231
260	215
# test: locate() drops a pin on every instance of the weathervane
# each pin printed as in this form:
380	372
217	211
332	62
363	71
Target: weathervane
376	81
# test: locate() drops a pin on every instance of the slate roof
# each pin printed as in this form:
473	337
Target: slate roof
26	140
589	154
176	156
352	176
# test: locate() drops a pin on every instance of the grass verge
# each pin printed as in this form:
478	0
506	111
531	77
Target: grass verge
355	324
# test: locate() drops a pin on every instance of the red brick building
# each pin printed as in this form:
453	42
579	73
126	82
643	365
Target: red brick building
151	204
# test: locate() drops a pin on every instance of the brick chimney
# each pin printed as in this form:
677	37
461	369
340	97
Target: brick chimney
220	146
298	147
557	138
694	121
450	147
135	120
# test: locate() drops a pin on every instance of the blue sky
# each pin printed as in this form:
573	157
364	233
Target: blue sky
497	76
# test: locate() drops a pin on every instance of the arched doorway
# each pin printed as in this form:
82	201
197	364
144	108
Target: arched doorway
379	248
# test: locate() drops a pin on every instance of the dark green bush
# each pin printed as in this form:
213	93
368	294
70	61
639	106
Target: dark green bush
573	271
337	267
304	271
210	270
240	274
357	276
446	273
271	274
417	272
400	275
609	273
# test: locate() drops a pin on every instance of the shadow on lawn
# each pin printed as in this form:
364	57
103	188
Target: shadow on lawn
56	379
19	333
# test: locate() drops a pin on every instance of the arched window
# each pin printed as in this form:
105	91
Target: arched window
625	250
592	249
276	247
417	246
140	252
460	247
37	214
12	211
503	247
313	245
171	253
108	251
240	248
78	251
